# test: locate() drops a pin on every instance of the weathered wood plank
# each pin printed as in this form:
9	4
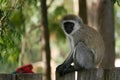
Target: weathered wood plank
112	74
94	74
28	77
69	76
59	77
5	77
20	77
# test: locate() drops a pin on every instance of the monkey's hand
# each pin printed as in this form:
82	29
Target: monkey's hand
60	70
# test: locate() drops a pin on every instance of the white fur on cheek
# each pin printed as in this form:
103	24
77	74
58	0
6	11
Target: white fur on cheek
76	27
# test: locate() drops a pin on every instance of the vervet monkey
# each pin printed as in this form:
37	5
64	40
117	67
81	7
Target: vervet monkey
87	46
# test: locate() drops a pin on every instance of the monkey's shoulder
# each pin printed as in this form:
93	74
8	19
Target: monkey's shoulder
91	32
87	33
92	37
90	29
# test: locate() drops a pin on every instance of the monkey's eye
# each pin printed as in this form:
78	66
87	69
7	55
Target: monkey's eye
68	26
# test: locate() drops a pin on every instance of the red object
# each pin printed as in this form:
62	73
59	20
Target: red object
25	69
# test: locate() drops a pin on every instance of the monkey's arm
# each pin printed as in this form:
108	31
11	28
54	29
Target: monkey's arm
65	65
69	59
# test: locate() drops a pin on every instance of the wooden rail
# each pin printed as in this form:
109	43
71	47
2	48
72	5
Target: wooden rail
94	74
20	77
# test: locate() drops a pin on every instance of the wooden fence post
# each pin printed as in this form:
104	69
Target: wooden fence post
20	77
112	74
5	77
28	77
92	74
70	76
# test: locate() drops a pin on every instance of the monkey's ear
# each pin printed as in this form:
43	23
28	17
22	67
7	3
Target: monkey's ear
80	20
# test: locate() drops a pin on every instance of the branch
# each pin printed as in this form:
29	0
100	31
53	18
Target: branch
33	28
50	4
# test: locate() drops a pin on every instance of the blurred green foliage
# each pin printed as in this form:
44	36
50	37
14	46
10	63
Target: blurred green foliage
20	21
116	1
11	27
54	22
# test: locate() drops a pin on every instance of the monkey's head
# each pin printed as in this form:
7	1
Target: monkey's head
71	23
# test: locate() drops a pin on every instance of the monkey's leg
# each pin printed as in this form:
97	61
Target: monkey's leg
83	56
67	63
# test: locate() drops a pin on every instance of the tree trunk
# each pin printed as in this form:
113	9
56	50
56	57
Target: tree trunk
83	10
101	18
46	39
21	55
92	8
105	23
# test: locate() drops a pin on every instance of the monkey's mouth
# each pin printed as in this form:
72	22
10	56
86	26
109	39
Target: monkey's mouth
68	26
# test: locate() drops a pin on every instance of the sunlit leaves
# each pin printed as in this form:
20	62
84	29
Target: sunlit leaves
23	18
60	10
54	22
116	1
10	33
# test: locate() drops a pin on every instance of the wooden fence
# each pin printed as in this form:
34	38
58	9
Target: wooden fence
20	77
94	74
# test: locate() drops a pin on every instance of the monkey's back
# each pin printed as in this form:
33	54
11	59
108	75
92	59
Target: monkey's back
93	40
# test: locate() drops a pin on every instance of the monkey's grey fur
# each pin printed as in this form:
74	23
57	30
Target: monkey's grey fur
87	46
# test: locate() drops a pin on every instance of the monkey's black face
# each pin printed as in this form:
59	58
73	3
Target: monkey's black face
68	26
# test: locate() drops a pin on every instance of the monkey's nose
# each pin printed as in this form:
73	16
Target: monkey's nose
68	27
